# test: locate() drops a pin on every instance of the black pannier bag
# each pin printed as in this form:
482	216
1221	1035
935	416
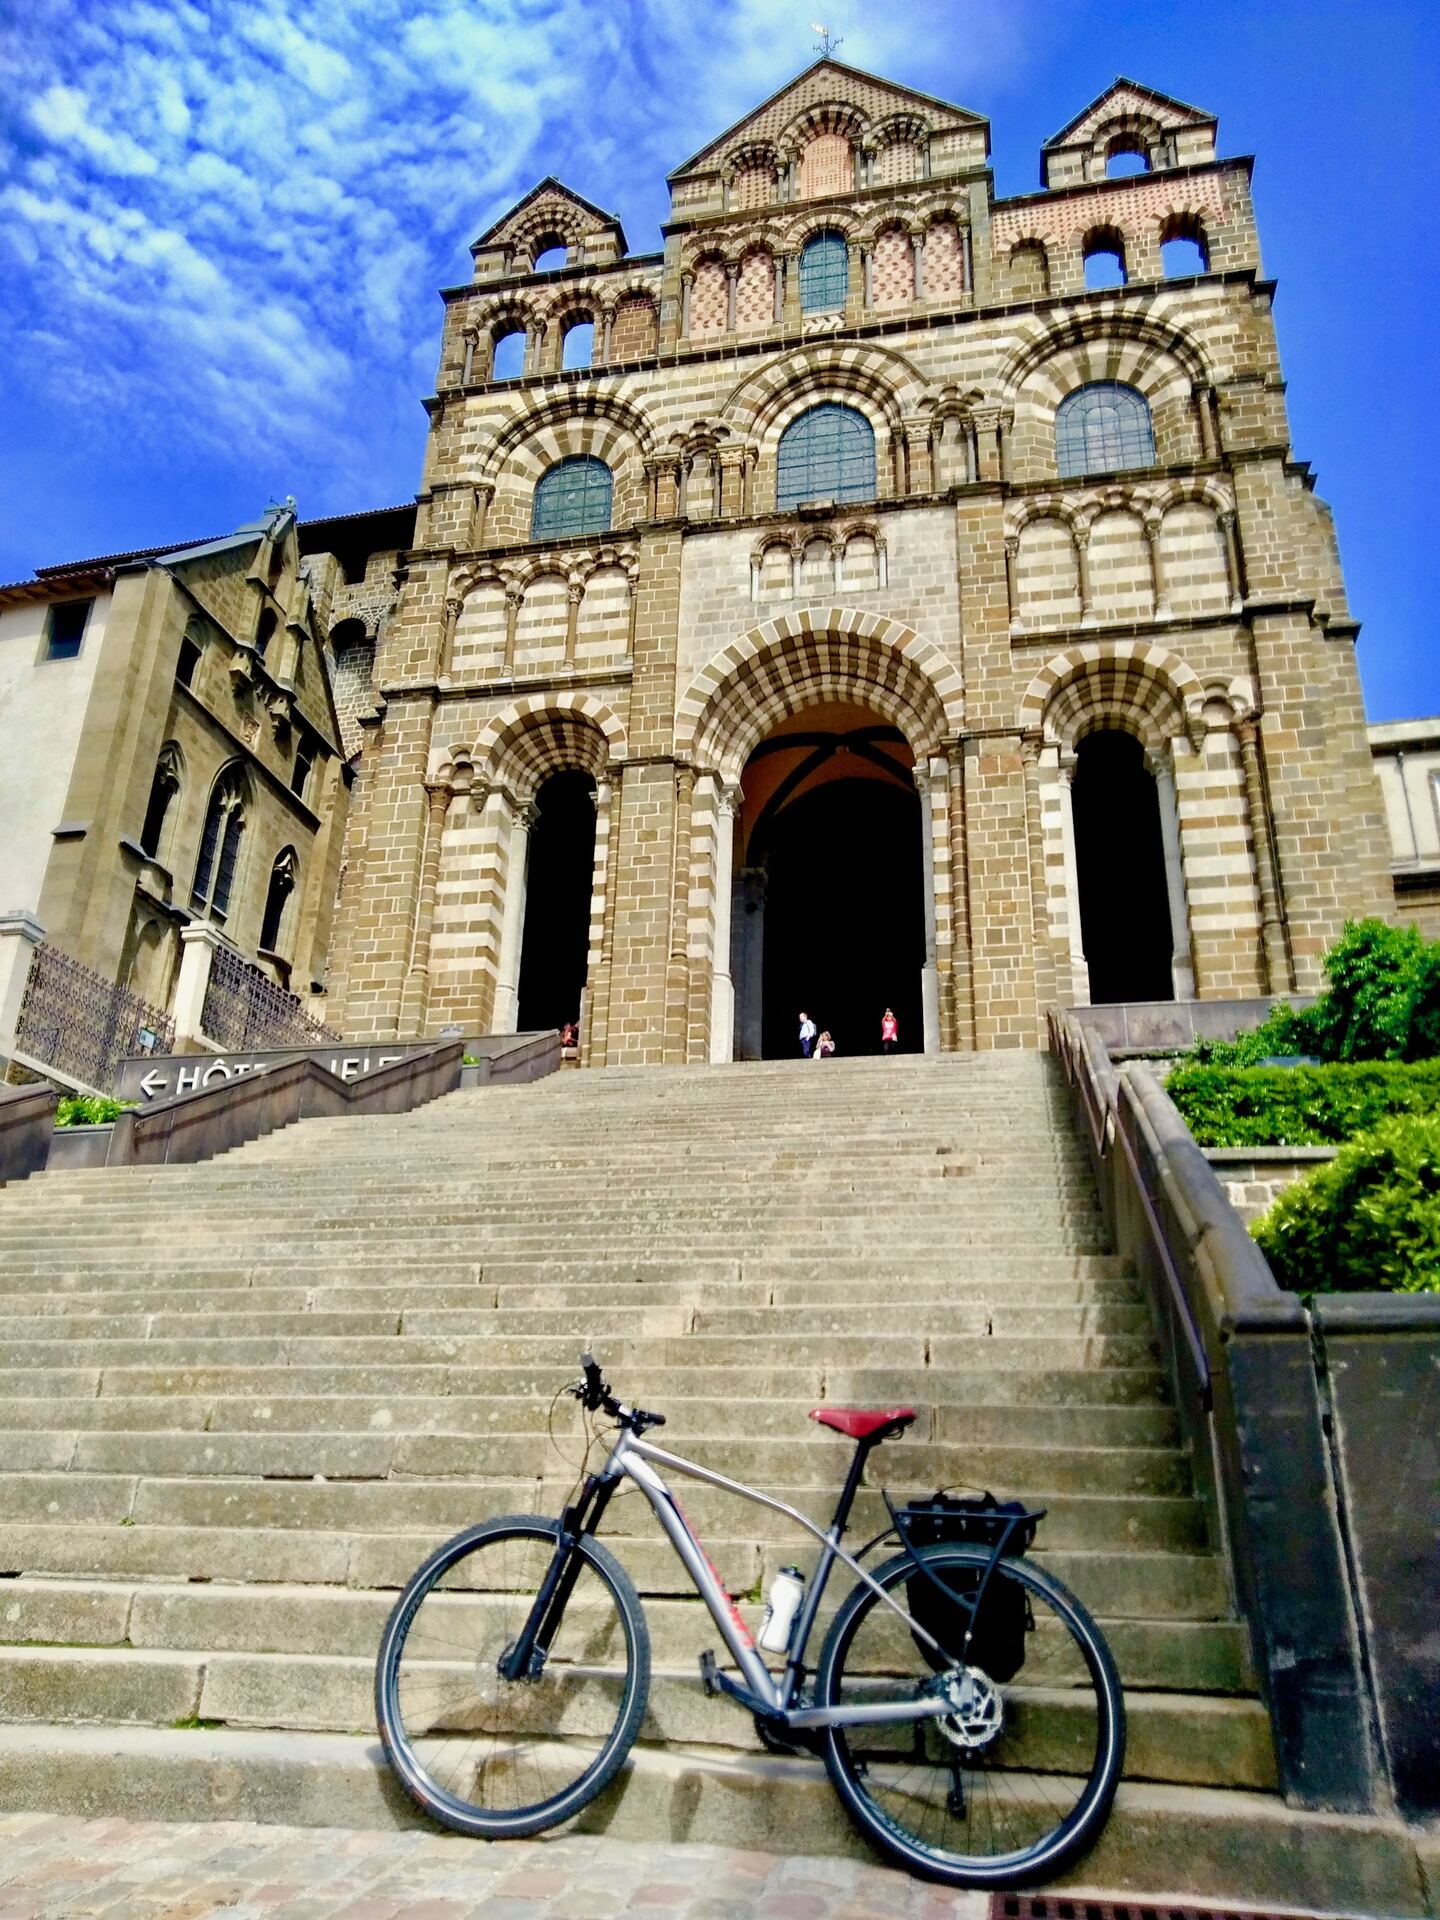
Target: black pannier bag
997	1643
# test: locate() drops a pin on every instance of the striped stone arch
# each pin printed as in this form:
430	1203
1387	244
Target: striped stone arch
803	659
889	381
595	421
543	733
1131	684
1111	343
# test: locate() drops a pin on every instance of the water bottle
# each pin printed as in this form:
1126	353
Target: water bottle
782	1604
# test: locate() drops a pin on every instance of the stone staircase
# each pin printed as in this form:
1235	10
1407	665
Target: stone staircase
240	1401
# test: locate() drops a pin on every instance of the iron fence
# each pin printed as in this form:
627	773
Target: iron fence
76	1020
244	1009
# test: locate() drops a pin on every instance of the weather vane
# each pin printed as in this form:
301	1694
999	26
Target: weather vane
828	42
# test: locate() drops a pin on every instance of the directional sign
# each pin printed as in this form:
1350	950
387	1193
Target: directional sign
160	1078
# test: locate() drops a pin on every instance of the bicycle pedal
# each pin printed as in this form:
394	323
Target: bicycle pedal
709	1673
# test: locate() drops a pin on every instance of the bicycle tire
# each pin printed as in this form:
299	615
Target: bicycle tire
557	1718
1027	1771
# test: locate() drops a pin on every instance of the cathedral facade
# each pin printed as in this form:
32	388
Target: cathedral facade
888	595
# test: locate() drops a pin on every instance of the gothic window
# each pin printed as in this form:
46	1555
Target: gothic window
824	273
300	772
219	847
189	660
277	896
574	497
827	454
265	632
1101	428
163	789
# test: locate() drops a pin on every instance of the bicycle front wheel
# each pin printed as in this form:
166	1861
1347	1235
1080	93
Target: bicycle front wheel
1020	1775
505	1758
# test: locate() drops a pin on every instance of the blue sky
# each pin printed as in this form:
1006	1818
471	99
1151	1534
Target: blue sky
224	224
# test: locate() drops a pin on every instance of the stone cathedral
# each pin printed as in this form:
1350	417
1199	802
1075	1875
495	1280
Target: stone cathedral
887	595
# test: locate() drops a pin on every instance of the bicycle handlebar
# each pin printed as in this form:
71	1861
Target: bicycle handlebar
593	1393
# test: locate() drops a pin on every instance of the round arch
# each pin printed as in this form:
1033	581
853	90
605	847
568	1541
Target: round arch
803	660
540	735
887	380
1135	686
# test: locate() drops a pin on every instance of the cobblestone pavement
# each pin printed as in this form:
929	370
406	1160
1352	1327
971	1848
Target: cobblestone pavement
52	1867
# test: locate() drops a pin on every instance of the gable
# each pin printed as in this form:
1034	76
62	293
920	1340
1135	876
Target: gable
827	83
1126	97
551	208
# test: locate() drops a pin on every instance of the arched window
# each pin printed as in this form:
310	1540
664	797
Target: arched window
574	497
1104	251
220	847
578	347
1101	428
507	354
827	454
163	789
1184	249
824	273
551	253
277	896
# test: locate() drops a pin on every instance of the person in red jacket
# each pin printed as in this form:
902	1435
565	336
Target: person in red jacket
889	1032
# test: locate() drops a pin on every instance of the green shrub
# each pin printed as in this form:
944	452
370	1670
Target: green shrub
88	1110
1367	1221
1300	1106
1285	1030
1374	971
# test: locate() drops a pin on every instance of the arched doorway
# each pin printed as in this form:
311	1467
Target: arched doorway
557	901
1125	923
829	897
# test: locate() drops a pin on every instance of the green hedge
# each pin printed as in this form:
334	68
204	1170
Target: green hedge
1300	1106
1368	1221
88	1110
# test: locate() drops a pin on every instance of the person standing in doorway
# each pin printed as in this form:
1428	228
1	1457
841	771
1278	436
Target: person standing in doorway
807	1035
889	1031
825	1046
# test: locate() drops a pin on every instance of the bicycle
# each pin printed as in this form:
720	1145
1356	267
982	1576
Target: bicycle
514	1671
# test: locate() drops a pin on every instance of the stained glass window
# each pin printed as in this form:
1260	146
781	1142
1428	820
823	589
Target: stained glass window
827	454
1101	428
573	497
824	273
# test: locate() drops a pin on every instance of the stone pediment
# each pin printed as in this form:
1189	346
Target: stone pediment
1127	99
867	99
551	214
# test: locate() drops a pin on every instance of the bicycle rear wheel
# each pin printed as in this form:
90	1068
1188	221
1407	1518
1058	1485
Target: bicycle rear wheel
505	1758
1020	1776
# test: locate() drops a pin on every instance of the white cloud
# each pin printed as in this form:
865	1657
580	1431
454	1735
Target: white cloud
252	205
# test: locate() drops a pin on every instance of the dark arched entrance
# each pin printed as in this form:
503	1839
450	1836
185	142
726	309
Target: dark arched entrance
1120	871
829	909
557	902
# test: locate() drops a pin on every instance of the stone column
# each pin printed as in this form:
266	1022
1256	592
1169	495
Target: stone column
198	945
1234	559
917	247
447	634
732	274
1182	961
1081	537
596	963
574	594
1157	568
854	281
962	991
512	921
677	971
608	347
484	494
1202	398
1079	967
687	281
513	597
987	437
918	455
416	992
1279	971
929	973
1043	951
722	989
20	935
1012	554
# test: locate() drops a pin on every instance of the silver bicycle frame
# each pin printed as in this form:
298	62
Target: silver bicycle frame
633	1457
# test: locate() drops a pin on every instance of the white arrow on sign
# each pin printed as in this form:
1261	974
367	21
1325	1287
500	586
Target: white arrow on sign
153	1083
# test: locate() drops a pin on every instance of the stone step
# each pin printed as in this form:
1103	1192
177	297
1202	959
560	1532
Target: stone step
660	1387
1225	1844
556	1355
1171	1737
388	1455
636	1319
235	1571
443	1507
1082	1426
